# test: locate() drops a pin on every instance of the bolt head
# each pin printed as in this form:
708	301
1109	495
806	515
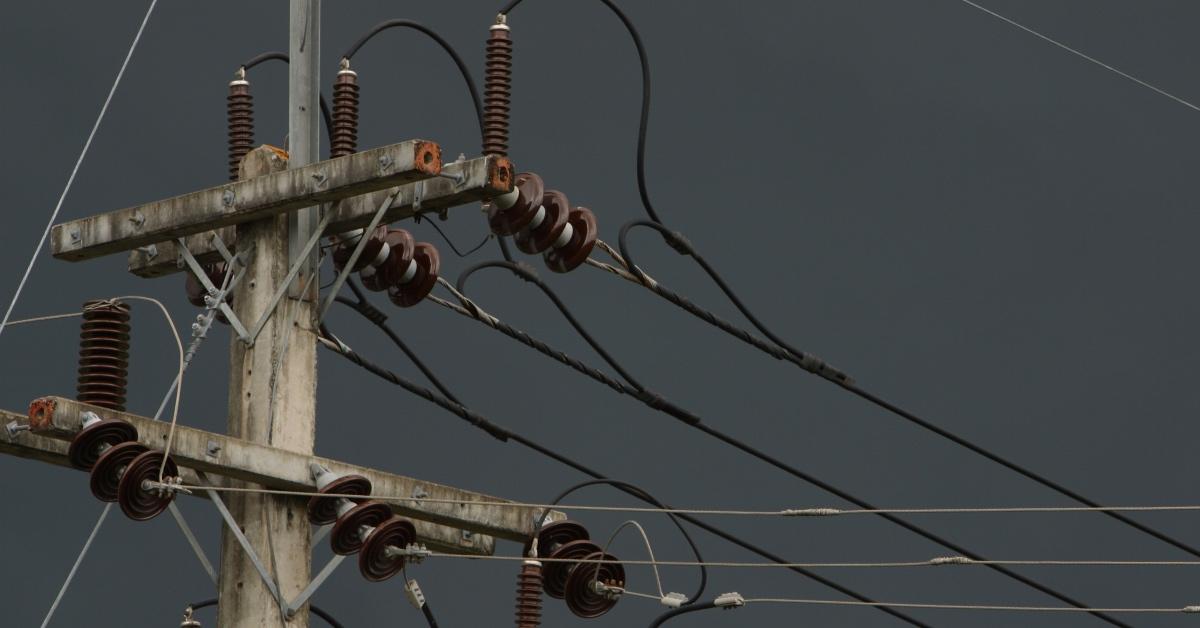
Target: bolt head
385	162
227	198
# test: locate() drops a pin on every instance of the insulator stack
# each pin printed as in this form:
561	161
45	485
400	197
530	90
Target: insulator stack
240	110
345	113
566	543
543	221
497	89
365	527
104	354
529	595
392	261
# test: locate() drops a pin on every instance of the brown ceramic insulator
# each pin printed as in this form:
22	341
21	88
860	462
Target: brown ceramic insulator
106	473
239	107
344	538
556	534
104	355
323	510
343	251
529	596
497	90
534	240
374	562
137	502
90	442
411	292
345	114
569	256
581	599
530	190
401	248
556	572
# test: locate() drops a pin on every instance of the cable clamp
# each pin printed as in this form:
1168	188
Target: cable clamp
169	486
730	600
810	512
608	591
1191	609
413	592
414	552
673	600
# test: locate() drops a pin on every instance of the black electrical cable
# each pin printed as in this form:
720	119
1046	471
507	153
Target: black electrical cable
657	402
645	496
282	56
458	61
819	367
675	612
428	613
450	242
644	121
368	311
315	611
503	434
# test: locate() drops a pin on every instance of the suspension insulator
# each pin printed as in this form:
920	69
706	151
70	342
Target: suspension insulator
585	601
94	439
497	89
529	595
374	252
547	224
106	473
417	283
556	572
323	510
375	563
240	110
514	211
575	243
104	354
555	534
345	113
138	501
345	538
401	248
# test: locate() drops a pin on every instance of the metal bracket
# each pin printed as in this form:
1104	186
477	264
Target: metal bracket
312	587
272	586
249	336
358	249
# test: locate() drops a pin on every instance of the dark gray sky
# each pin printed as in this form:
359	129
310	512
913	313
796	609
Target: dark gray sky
970	221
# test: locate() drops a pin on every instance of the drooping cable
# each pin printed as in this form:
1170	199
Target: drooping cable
819	367
683	610
644	120
645	496
276	55
476	101
504	434
87	144
450	242
659	403
316	610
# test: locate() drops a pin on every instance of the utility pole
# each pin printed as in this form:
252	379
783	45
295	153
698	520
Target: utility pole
272	385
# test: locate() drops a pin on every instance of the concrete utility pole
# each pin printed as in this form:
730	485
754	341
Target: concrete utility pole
272	383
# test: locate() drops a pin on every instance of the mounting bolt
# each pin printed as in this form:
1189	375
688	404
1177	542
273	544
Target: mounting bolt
75	237
419	492
468	537
212	449
227	198
319	179
138	219
385	162
150	251
13	428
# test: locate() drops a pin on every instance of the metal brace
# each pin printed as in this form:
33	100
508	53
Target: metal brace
358	249
312	587
272	586
232	262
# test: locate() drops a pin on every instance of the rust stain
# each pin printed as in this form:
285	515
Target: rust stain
41	413
428	157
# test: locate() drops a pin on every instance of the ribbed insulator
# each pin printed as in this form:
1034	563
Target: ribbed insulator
497	89
345	114
104	354
529	596
240	110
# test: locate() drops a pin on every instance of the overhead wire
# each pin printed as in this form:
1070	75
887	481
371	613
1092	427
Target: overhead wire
657	402
78	162
504	434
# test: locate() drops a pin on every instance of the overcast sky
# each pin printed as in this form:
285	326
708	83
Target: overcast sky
972	222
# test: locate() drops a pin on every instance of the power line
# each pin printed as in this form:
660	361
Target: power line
503	434
78	162
1082	55
661	404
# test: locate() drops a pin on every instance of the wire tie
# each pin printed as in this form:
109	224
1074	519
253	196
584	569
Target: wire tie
810	512
1191	609
673	600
